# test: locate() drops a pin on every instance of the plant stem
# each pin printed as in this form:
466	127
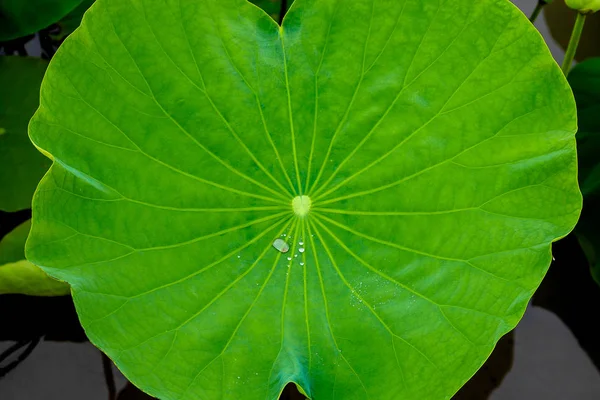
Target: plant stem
108	377
31	345
537	11
282	11
573	43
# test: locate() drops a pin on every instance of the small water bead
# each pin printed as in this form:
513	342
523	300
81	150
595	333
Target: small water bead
301	243
301	263
289	258
301	249
295	255
281	245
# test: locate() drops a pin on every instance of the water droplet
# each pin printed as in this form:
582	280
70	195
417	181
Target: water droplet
301	263
289	258
295	255
301	243
301	249
281	245
239	256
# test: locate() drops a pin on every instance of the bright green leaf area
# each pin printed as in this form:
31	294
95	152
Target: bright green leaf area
585	81
23	17
21	165
18	275
418	157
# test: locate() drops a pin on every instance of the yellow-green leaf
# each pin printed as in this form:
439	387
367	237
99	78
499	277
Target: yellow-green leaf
20	276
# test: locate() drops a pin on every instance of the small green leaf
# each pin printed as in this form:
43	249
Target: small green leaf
12	246
417	157
23	17
20	276
21	165
584	6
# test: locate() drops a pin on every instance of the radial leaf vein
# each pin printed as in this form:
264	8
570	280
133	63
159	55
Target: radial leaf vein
262	116
396	282
290	113
177	170
316	111
189	276
366	303
403	141
181	128
304	273
386	243
294	228
268	278
350	104
408	177
161	207
326	307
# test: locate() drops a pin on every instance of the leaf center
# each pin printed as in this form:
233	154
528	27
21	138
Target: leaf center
301	205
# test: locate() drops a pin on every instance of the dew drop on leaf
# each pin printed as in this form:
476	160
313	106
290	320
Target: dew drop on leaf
281	245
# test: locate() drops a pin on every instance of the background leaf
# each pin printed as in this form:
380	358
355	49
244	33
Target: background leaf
71	21
21	165
23	17
431	144
585	81
272	7
18	276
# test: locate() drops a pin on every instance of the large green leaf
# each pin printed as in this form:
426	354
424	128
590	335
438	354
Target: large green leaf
585	81
18	275
21	165
23	17
417	156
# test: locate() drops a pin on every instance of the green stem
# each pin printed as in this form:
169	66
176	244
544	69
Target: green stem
573	43
537	11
